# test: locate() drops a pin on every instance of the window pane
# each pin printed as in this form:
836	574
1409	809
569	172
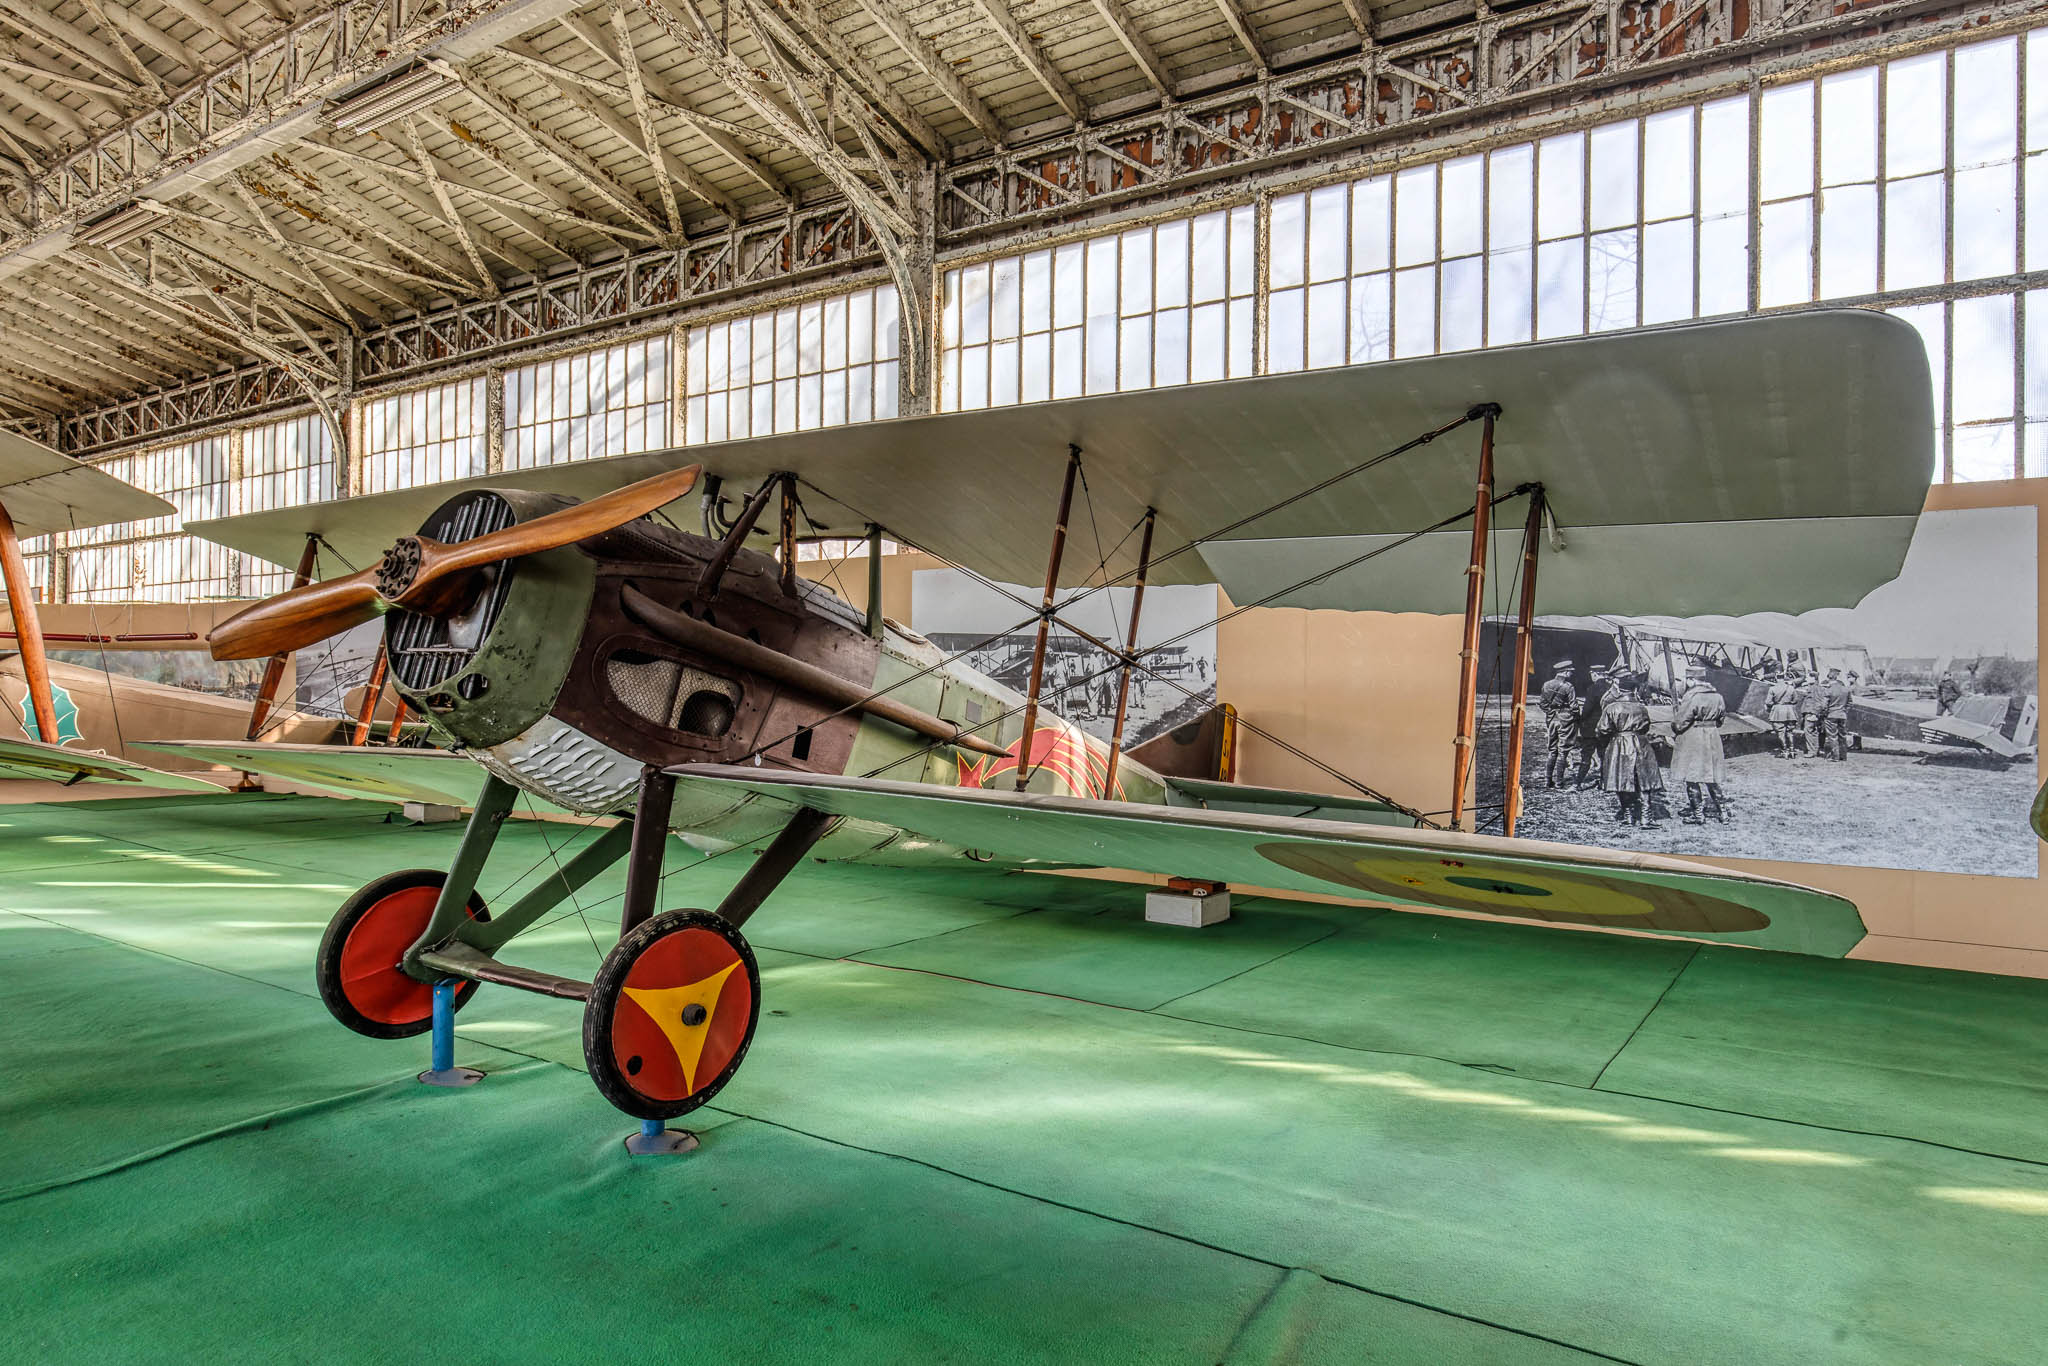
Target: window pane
1914	233
1848	241
1135	291
1004	297
1612	154
1561	186
1916	115
1724	156
1372	209
1667	165
1372	325
1983	372
1462	313
1285	321
1611	282
1327	311
1328	232
1560	288
1848	127
1171	250
1208	257
1508	297
1667	271
1510	197
1984	221
1987	122
1786	144
1415	311
1415	216
1463	213
1786	243
1288	253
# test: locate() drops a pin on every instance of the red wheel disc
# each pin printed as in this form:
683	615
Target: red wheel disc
684	1012
370	976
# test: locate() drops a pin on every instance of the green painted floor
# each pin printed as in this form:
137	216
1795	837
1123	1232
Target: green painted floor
990	1119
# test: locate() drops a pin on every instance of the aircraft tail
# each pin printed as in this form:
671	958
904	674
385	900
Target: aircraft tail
2029	718
1205	747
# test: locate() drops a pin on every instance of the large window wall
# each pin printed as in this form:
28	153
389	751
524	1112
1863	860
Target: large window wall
817	364
423	437
611	402
153	560
284	464
1918	185
1167	303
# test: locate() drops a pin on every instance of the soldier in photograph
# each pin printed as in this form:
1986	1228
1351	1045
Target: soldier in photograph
1632	774
1835	716
1946	693
1697	758
1560	703
1586	733
1783	702
1812	705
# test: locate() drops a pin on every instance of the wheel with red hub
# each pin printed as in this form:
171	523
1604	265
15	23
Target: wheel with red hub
671	1014
358	968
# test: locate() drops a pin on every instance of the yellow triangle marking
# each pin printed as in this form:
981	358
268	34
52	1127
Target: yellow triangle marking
667	1004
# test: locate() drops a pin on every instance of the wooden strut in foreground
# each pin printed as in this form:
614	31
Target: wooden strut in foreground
28	630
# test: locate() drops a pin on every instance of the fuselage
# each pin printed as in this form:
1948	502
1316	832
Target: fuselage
570	673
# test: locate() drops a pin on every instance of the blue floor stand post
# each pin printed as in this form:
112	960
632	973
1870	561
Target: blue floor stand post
443	1071
654	1139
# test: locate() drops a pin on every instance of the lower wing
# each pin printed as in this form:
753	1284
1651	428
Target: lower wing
1435	869
33	759
393	775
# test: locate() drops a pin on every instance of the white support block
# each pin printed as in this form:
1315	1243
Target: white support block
431	813
1189	912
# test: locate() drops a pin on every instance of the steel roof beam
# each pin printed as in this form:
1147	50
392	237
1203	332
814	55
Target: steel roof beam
1124	29
1031	58
926	58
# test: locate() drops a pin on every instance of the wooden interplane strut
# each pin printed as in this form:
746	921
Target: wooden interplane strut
1123	681
1525	644
1052	588
1475	599
28	630
273	668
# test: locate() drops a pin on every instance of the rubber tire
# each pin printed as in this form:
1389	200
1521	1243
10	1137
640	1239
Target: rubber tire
603	1002
327	965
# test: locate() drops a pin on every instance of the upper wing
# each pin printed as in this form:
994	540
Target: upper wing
47	491
397	775
1809	480
33	759
1523	879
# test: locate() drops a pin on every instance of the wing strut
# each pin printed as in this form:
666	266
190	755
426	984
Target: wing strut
28	629
1052	588
1130	657
1525	624
1475	602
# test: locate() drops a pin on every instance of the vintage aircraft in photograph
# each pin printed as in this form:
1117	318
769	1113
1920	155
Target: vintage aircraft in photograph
608	661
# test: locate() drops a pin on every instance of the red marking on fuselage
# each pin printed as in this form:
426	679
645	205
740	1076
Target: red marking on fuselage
1075	759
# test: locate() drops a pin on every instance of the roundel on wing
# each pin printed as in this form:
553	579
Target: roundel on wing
1527	891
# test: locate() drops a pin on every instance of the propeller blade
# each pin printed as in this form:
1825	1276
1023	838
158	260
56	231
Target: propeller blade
426	575
411	567
297	618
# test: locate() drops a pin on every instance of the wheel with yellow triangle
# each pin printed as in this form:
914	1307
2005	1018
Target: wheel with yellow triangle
670	1014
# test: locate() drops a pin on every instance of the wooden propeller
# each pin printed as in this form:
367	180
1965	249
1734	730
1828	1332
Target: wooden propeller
425	575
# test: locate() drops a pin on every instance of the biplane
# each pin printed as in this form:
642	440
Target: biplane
63	711
608	637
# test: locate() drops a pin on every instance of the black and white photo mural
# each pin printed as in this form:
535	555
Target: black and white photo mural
1176	644
1900	733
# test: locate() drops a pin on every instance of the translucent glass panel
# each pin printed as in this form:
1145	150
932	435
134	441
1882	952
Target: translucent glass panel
817	364
1635	222
423	437
1168	303
152	560
610	402
284	464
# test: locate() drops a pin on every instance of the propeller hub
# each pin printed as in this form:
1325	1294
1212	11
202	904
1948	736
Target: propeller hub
399	568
